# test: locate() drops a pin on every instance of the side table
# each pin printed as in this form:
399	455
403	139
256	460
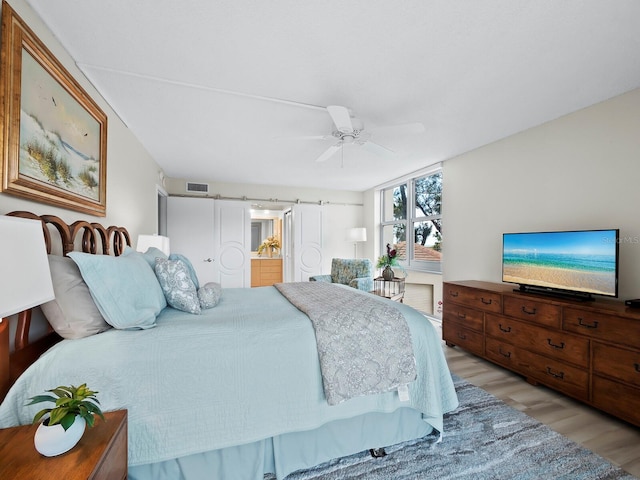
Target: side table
391	289
101	453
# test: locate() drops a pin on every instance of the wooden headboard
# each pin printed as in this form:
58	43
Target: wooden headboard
94	239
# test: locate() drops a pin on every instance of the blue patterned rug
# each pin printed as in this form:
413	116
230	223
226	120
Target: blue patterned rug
484	439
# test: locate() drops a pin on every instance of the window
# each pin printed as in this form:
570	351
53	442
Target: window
414	208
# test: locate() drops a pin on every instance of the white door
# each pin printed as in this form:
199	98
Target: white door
307	226
232	242
287	247
190	230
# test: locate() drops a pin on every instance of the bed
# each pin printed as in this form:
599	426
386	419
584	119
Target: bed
235	391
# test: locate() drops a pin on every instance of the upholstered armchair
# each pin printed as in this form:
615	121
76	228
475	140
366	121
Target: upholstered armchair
357	273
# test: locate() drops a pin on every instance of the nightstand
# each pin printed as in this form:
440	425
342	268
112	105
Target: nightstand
391	289
101	453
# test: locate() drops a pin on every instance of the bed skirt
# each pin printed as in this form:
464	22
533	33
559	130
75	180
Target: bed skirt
286	453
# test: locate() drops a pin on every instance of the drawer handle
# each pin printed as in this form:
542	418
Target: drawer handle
453	294
587	325
462	336
559	375
637	365
559	347
528	312
486	302
504	354
505	330
462	315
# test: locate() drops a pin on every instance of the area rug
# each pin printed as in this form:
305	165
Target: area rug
484	439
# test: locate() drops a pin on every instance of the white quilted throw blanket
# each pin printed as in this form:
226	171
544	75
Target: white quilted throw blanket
364	343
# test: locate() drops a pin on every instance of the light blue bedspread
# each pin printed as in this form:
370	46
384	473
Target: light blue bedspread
243	371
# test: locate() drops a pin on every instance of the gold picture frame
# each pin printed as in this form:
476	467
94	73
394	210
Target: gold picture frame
54	136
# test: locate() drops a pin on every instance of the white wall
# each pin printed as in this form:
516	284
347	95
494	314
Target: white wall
580	171
338	220
131	172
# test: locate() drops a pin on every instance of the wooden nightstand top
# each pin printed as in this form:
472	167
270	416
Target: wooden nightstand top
101	453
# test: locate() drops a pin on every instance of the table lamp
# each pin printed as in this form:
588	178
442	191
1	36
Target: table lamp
25	281
147	241
356	235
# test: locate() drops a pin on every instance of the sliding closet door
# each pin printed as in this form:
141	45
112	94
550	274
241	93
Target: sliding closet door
232	241
191	232
307	226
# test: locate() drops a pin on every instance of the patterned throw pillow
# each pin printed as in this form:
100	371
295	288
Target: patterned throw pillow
209	295
187	262
177	285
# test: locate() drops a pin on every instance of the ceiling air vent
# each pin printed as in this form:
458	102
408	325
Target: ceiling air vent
197	187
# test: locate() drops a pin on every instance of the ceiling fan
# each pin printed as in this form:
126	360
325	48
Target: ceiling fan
350	130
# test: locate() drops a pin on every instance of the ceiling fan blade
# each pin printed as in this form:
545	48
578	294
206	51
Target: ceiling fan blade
378	149
307	137
328	153
413	128
341	118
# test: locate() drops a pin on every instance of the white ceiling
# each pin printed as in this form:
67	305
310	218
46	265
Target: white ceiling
197	80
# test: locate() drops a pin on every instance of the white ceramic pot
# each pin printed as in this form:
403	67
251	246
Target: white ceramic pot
54	440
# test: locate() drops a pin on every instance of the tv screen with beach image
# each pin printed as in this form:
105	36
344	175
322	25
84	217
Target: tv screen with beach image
580	261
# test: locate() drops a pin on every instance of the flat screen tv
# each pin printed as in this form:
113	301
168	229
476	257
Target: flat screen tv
576	264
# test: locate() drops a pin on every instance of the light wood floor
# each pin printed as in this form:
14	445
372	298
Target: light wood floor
613	439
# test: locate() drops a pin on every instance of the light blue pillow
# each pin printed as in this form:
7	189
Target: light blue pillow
192	271
177	285
125	289
150	255
209	295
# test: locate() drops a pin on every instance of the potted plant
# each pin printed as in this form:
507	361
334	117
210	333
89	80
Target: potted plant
387	261
64	423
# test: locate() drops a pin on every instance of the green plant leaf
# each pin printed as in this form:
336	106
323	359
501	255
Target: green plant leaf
57	414
61	392
41	398
67	421
40	414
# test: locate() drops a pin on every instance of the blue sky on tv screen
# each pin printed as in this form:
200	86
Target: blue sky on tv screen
594	242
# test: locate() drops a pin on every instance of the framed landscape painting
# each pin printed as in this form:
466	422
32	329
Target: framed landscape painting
54	137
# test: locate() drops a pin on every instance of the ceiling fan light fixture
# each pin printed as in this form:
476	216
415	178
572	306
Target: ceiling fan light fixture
348	138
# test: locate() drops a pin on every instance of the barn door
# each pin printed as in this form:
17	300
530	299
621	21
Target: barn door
307	230
191	233
215	236
232	242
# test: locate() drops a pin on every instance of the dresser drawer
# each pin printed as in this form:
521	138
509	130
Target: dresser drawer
602	326
271	266
565	378
469	317
473	297
456	334
617	362
616	398
553	343
532	310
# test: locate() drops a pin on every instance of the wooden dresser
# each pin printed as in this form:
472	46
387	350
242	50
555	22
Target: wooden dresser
266	271
587	350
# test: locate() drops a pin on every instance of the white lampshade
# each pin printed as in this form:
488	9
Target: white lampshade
25	281
147	241
357	234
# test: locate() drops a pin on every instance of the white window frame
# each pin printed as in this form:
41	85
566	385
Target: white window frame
412	218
